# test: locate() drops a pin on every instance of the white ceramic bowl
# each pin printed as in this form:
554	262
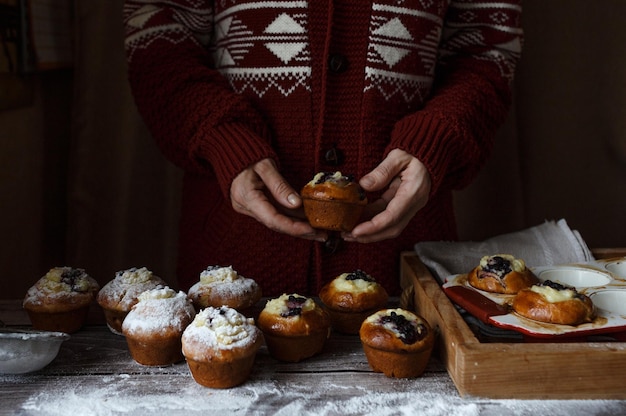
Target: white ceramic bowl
25	351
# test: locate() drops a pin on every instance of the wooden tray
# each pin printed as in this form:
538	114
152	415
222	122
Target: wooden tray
510	370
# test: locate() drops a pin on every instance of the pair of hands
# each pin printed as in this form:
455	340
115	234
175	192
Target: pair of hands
262	193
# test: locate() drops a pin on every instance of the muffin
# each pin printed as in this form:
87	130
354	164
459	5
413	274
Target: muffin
501	273
154	326
223	286
295	327
119	295
350	298
333	201
220	346
60	300
397	342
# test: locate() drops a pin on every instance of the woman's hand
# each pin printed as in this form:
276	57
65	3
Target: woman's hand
262	193
408	187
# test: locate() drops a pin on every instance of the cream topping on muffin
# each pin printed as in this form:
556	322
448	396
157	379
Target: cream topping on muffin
61	281
122	292
67	279
218	274
354	282
292	305
401	323
554	292
159	309
223	282
336	178
222	328
134	275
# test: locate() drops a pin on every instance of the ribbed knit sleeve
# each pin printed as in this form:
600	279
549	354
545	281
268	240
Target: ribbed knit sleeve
454	132
199	123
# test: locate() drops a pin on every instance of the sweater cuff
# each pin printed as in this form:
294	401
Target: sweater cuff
429	138
231	149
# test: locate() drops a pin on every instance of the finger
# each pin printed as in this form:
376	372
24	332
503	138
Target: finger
276	184
389	223
386	171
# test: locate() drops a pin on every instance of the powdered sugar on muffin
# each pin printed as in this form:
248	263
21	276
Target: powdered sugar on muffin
121	293
159	310
219	328
61	283
223	286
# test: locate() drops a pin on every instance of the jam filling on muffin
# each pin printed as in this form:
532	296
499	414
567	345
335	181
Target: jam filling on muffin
336	178
499	266
68	279
294	306
360	275
408	331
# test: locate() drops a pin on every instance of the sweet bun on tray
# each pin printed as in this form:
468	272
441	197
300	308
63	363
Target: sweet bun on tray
554	303
501	273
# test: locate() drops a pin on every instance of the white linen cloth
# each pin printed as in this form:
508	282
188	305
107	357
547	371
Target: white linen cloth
550	243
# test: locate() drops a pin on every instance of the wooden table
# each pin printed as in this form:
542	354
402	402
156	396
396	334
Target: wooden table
95	375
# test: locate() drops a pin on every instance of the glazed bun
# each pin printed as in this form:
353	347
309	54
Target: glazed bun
554	303
501	273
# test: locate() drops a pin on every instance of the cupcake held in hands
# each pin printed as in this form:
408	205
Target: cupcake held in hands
333	201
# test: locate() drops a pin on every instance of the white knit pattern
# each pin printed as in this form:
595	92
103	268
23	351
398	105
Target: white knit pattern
406	38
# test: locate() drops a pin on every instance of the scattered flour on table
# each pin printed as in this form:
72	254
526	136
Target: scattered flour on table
130	395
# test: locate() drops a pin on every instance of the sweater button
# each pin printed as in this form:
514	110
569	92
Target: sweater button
333	157
337	63
332	245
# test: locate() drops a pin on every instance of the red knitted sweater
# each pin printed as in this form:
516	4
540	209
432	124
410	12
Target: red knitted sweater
224	84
